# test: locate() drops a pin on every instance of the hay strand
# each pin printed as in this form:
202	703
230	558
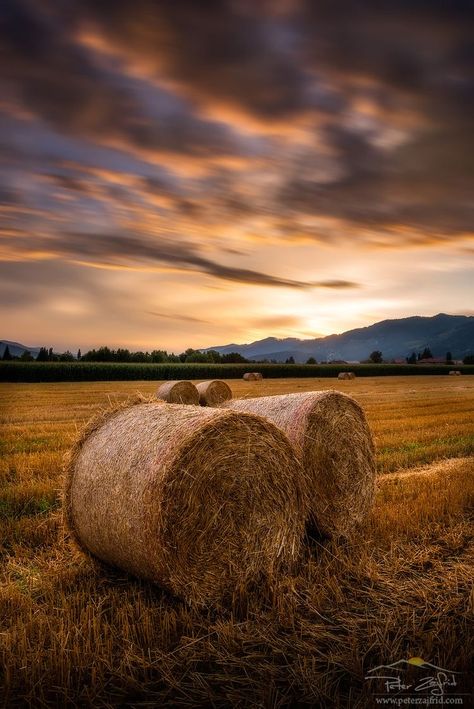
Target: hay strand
331	436
178	392
213	393
201	501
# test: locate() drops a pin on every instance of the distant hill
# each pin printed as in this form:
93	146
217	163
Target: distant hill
395	338
17	349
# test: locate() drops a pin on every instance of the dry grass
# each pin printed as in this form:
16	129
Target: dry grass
74	634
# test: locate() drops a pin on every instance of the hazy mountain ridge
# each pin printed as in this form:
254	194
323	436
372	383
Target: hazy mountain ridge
17	349
395	338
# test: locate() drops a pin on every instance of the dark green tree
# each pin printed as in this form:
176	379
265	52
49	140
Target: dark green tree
290	360
196	356
42	355
412	358
214	356
468	359
449	358
426	354
7	354
233	358
311	360
27	356
376	357
78	357
159	356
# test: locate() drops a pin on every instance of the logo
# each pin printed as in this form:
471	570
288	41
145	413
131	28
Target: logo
414	682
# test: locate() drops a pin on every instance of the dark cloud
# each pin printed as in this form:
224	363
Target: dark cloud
47	69
122	250
176	316
383	89
106	248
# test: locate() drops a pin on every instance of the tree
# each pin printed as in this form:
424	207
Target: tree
376	357
412	358
196	356
214	356
426	354
42	355
66	357
468	359
311	360
233	358
78	357
7	354
449	358
290	360
159	356
27	356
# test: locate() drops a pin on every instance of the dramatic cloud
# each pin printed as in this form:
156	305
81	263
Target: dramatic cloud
234	144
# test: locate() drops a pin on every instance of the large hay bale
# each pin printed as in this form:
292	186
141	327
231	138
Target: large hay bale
213	393
198	500
455	372
178	392
331	436
346	375
252	376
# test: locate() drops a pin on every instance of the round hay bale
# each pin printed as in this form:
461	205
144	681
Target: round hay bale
346	375
455	372
178	392
198	500
331	436
252	376
213	393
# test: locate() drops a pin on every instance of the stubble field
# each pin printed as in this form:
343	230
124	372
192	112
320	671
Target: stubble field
73	633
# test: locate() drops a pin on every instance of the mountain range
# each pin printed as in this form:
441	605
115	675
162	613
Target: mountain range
17	349
394	338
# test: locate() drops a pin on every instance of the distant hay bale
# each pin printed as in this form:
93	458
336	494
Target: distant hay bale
331	436
455	372
252	376
198	500
178	392
213	393
346	375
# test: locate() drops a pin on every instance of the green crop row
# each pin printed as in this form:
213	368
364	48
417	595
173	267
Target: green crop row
108	371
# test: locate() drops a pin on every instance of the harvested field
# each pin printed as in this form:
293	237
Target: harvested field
76	634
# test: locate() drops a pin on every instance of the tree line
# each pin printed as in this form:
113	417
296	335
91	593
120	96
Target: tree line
105	354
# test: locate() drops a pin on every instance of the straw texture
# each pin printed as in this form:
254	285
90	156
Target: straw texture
179	392
332	439
346	375
213	393
198	500
252	376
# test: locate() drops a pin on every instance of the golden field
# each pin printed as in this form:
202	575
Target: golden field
74	633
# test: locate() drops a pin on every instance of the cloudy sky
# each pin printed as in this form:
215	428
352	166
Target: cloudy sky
187	173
